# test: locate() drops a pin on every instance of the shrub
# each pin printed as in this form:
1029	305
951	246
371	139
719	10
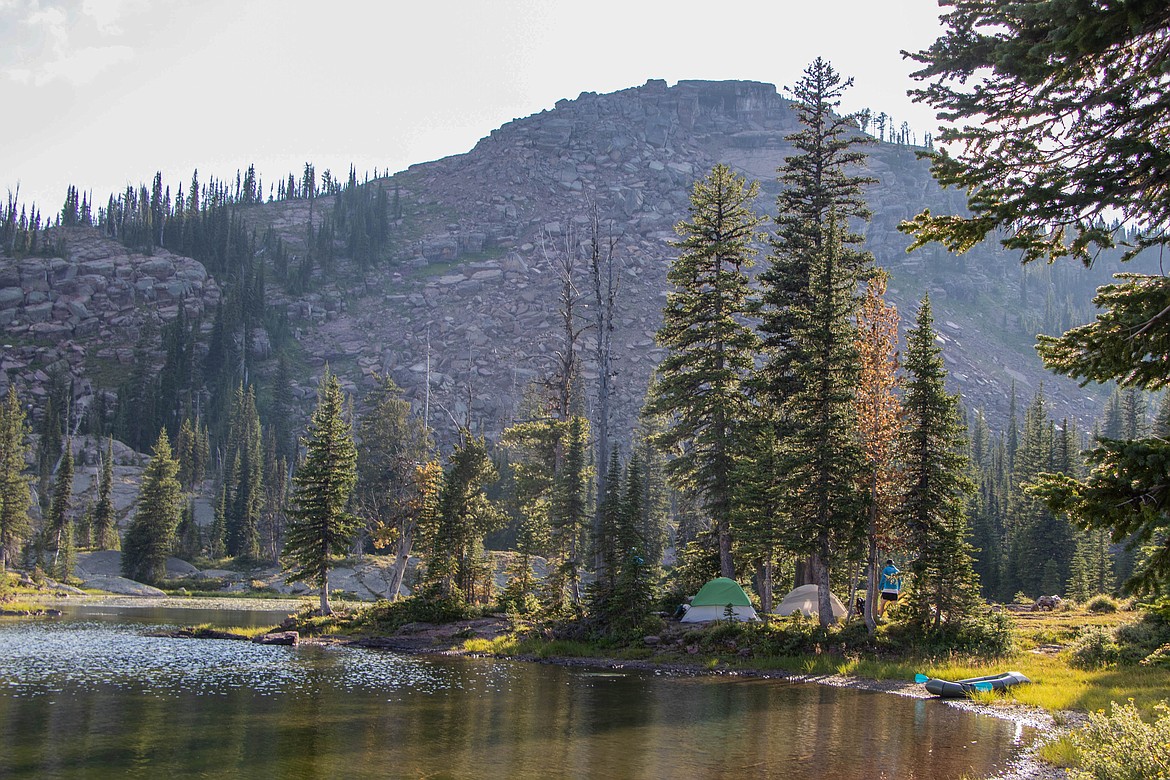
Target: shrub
1140	638
1101	604
1159	658
988	635
1094	649
1121	746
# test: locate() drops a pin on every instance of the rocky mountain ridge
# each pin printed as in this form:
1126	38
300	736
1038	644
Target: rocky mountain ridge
467	298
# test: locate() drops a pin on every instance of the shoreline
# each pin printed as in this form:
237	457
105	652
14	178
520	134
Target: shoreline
1024	766
1027	765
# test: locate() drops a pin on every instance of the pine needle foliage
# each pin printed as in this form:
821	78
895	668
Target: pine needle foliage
151	535
820	461
710	347
945	586
15	496
320	525
1057	117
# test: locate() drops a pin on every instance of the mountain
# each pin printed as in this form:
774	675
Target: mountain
466	289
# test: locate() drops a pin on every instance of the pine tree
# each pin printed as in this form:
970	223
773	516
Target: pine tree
710	348
634	584
817	189
454	544
392	442
245	457
655	501
151	535
945	586
820	459
1056	59
15	496
188	541
105	530
819	195
319	524
59	524
217	540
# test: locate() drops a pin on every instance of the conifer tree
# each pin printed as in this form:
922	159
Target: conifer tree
820	460
634	584
945	586
59	526
655	500
818	187
188	541
105	531
217	540
571	519
607	543
320	526
1057	58
393	443
151	535
819	193
710	348
1039	542
15	496
454	544
245	459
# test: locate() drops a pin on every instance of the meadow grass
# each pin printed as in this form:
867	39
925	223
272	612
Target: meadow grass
249	631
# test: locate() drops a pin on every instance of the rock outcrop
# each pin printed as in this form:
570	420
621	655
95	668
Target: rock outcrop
465	309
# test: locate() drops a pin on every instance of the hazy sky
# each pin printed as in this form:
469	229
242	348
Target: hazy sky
103	93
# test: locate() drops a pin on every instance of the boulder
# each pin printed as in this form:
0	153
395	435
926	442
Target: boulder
121	586
290	638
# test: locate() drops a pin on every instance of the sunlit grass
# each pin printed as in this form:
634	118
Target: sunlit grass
249	631
1059	752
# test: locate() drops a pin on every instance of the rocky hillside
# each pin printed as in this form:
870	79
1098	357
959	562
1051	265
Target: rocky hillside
469	280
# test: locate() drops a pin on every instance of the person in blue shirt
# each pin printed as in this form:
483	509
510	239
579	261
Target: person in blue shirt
890	586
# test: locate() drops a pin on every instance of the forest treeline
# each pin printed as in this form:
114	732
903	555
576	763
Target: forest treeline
784	439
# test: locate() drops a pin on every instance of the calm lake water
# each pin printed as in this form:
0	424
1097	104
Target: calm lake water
89	696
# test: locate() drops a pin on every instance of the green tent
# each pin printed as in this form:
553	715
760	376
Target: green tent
710	603
720	592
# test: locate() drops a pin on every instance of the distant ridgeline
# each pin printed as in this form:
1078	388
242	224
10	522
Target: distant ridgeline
157	306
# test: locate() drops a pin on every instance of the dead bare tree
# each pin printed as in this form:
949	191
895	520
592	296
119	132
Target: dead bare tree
605	293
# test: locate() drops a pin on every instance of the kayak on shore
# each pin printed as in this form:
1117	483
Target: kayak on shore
955	689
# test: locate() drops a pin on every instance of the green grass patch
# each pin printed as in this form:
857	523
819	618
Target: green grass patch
1060	752
249	631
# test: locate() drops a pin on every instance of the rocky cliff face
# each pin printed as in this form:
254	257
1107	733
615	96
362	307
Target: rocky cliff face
476	281
66	314
472	284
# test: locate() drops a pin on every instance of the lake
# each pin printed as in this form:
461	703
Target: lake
87	695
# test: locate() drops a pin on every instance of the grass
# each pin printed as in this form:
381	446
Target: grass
249	631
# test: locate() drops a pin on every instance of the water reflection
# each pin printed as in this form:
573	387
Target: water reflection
90	699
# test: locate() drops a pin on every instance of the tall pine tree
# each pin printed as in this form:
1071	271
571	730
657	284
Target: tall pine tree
15	496
945	586
151	535
320	526
710	349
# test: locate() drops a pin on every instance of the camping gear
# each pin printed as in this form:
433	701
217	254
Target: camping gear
712	600
805	601
953	690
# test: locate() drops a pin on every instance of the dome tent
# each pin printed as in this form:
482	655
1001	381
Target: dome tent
711	602
804	600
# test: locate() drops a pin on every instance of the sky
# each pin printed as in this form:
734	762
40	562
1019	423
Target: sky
103	93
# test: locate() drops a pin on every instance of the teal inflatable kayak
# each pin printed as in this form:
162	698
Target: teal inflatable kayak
955	689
